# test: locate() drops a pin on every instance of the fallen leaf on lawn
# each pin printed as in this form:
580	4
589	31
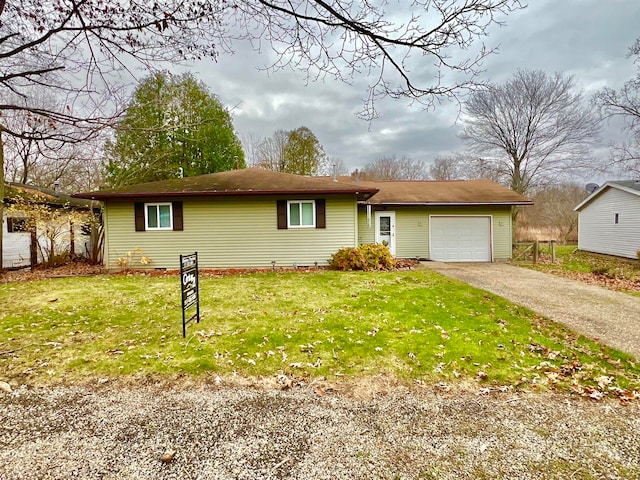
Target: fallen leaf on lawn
443	386
596	394
603	381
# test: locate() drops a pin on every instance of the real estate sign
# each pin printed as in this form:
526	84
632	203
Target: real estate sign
190	292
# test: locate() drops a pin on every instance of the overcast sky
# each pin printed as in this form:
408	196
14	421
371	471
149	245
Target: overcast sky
588	39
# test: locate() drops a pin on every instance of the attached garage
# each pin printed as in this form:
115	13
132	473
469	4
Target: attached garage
460	238
448	221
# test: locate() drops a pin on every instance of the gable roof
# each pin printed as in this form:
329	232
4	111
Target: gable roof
16	191
629	186
437	192
247	181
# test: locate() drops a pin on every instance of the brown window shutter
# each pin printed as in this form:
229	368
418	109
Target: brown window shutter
139	215
321	214
177	216
282	214
9	224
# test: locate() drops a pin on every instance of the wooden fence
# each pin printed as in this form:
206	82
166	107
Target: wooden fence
531	251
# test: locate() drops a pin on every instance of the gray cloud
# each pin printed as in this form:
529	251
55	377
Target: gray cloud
585	38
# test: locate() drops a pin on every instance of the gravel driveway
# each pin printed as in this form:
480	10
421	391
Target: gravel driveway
108	431
611	317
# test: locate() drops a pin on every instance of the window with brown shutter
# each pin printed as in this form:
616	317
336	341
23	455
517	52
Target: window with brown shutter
282	214
177	216
159	216
301	214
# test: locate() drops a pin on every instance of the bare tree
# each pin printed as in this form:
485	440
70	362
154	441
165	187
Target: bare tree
82	49
78	51
625	104
394	168
531	130
68	165
335	166
296	151
250	144
447	168
269	152
552	214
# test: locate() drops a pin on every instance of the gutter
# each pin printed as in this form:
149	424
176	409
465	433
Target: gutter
445	204
366	193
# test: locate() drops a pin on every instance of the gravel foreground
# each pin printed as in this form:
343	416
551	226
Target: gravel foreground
111	431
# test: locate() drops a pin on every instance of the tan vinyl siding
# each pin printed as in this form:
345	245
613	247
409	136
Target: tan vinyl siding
233	232
366	233
412	233
412	228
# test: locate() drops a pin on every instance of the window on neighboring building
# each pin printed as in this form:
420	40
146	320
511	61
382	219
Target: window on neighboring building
301	213
17	225
158	216
616	218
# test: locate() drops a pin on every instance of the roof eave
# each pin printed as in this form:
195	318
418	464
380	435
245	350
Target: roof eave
364	193
449	204
601	190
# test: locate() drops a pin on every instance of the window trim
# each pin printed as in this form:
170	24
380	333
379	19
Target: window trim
146	215
301	202
17	225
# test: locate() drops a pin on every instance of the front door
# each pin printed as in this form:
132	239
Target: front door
386	230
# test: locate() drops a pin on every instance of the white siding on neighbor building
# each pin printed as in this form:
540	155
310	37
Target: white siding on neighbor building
597	230
15	247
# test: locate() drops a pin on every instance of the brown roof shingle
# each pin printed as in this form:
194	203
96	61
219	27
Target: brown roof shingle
248	181
455	192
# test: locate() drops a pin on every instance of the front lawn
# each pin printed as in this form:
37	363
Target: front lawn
409	325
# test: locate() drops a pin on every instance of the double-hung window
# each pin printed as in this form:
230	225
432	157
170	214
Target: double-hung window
158	216
301	214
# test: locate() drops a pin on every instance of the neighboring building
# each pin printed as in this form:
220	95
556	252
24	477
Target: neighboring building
257	218
609	219
23	245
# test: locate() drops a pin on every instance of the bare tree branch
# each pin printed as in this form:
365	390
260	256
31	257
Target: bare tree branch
624	104
532	129
393	168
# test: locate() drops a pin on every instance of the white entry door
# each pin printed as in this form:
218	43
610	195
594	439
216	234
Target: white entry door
460	238
386	230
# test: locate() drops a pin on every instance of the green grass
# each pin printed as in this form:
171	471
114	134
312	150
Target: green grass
570	260
411	325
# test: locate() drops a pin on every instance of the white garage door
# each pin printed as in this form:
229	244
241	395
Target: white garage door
460	239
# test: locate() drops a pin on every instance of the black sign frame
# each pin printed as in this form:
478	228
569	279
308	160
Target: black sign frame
190	289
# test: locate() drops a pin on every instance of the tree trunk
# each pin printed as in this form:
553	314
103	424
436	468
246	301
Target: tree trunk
1	197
